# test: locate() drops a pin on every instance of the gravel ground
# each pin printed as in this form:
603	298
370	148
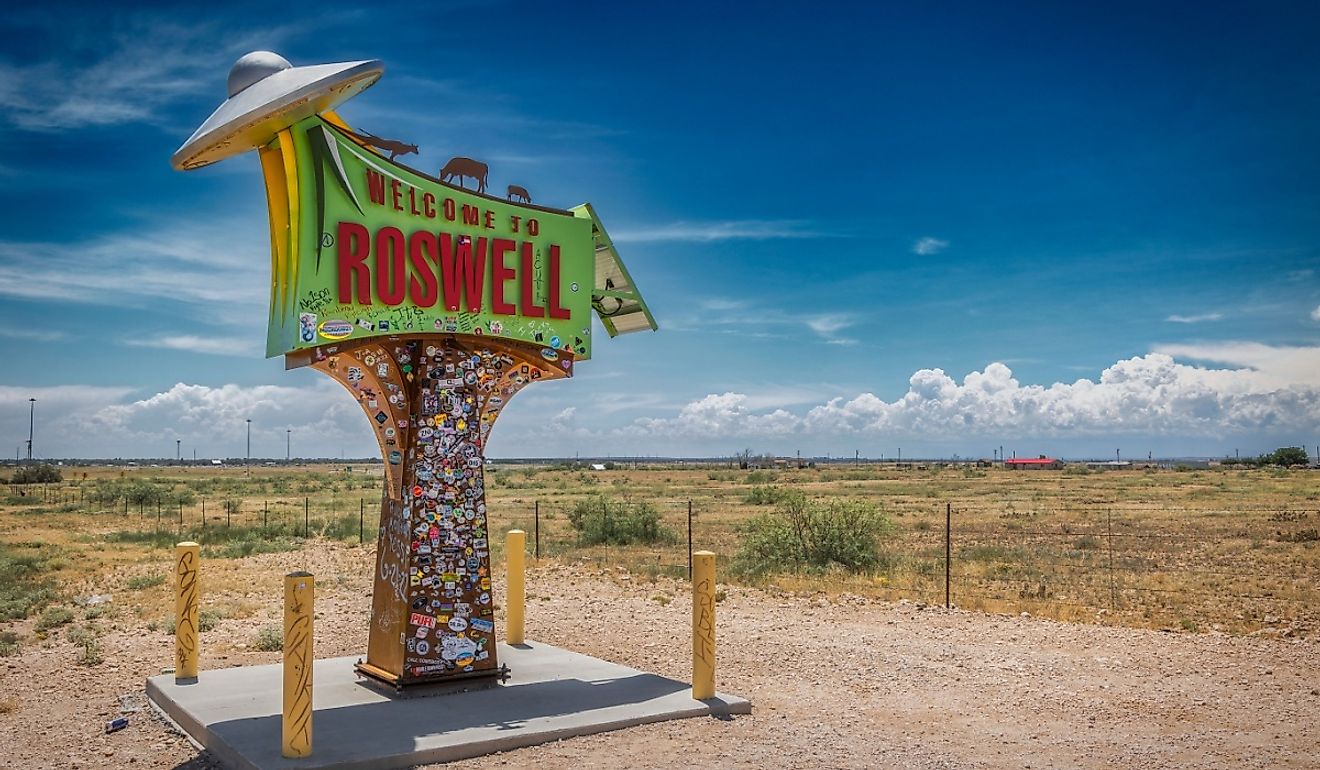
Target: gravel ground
843	682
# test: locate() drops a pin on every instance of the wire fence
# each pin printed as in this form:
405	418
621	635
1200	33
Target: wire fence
1241	569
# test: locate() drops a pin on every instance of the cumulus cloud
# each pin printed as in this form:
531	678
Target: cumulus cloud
1315	314
1150	395
1258	390
79	421
927	246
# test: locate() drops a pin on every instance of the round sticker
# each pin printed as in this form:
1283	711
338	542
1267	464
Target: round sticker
457	623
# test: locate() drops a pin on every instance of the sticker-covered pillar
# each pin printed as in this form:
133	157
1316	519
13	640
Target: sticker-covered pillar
432	400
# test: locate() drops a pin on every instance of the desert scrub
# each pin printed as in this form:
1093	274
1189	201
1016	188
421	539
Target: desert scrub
141	582
54	617
269	639
25	581
763	495
601	521
813	535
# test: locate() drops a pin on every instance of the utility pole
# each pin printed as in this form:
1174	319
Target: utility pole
178	451
247	462
288	444
32	421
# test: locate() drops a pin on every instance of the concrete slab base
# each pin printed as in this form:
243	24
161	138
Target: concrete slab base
552	694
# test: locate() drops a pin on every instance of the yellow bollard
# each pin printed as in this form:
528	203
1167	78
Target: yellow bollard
515	546
703	625
299	593
186	600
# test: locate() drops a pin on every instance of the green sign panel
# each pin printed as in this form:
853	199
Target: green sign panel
368	248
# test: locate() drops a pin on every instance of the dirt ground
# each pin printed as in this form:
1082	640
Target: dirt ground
844	682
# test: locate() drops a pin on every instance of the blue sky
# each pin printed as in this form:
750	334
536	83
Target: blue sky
861	227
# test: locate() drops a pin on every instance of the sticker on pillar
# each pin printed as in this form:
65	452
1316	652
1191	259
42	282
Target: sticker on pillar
307	327
396	457
335	329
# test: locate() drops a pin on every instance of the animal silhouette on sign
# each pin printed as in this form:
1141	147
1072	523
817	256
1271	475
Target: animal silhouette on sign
517	193
394	147
463	168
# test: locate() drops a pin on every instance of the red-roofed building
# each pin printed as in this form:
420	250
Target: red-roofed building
1041	463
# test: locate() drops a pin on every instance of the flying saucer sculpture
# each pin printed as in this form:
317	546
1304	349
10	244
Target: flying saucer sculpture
433	305
266	94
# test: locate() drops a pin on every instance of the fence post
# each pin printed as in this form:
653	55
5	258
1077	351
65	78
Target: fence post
703	625
362	520
515	544
1113	591
186	601
307	517
536	510
203	513
689	539
229	512
299	594
265	515
948	552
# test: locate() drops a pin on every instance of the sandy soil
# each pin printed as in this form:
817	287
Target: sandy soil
846	683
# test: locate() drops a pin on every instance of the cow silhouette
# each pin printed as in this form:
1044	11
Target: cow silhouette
517	193
394	147
463	168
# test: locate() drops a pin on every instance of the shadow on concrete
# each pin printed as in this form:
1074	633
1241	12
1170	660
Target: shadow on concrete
371	732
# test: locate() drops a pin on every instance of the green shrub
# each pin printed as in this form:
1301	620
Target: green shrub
54	617
812	535
208	618
1086	543
269	639
763	495
25	582
37	474
140	582
601	521
9	644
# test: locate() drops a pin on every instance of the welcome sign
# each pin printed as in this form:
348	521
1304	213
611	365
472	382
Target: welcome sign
365	248
433	305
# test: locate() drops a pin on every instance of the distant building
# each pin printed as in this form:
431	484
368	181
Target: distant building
1109	465
1041	463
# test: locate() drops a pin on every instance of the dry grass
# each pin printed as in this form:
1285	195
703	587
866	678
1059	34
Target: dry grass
1200	549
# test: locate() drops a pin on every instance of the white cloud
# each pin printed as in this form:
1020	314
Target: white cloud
748	320
1151	395
1265	365
1264	392
1315	314
928	245
219	266
133	72
325	421
702	232
1193	319
36	335
224	346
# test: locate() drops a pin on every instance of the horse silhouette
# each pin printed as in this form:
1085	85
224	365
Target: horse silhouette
517	193
463	168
